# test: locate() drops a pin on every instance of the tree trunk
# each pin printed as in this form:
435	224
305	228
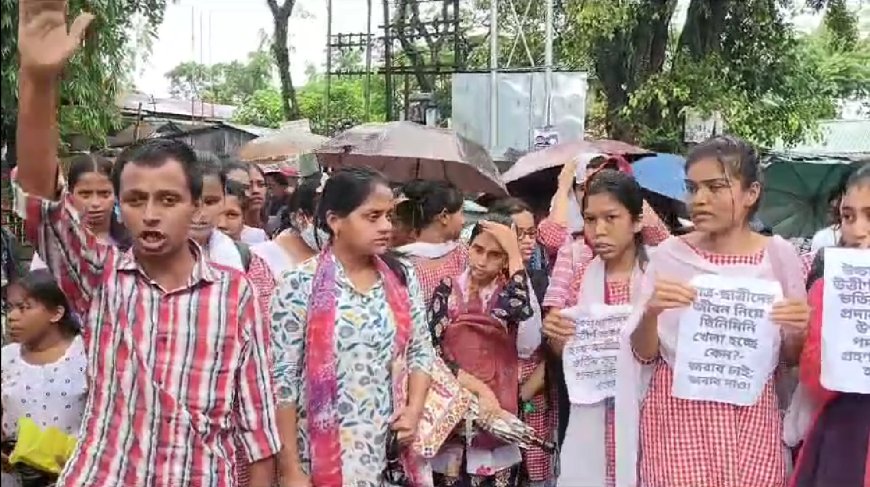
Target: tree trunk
705	22
415	57
626	59
281	51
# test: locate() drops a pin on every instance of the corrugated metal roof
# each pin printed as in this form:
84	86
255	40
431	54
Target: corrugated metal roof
171	106
157	128
849	138
251	129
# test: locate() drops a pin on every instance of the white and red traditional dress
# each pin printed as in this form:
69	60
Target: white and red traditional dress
836	450
671	442
579	463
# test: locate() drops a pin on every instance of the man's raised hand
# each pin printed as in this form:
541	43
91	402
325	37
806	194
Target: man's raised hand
45	44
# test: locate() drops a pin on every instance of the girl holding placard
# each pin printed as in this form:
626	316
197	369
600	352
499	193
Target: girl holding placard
612	211
835	451
698	441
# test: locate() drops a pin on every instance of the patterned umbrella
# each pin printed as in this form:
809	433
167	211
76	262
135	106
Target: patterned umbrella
506	427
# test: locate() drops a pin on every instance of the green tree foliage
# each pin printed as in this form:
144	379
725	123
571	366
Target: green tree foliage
741	58
229	83
346	102
842	55
262	108
94	77
768	82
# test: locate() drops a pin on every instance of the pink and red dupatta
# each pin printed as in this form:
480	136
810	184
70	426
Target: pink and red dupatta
320	369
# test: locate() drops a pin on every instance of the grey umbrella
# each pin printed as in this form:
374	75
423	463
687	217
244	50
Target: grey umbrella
405	151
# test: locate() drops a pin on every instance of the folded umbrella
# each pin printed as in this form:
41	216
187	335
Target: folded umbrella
508	428
448	404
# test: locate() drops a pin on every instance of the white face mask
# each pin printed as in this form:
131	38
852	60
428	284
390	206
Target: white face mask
316	239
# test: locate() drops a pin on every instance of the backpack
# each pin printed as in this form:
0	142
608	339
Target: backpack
245	253
486	348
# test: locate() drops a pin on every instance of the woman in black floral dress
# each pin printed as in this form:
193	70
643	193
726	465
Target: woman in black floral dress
474	318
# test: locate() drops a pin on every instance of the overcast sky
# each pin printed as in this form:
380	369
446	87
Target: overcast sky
230	29
235	27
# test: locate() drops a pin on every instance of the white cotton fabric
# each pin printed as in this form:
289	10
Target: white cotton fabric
826	237
51	395
278	260
36	263
253	235
427	250
222	250
529	332
674	259
583	459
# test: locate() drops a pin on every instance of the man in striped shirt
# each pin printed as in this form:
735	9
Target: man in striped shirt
178	367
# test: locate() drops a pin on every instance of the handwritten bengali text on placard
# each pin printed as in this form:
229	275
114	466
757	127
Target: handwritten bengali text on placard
727	346
589	358
846	321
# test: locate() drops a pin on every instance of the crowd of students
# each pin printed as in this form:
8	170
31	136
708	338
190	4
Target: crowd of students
183	337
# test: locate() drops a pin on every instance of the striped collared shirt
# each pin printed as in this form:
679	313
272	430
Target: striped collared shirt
179	379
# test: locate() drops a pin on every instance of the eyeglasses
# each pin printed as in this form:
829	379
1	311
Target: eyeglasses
527	233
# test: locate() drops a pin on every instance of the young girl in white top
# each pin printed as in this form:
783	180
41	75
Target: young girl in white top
612	215
43	370
298	239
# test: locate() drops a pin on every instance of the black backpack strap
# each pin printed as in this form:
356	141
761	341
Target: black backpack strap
245	254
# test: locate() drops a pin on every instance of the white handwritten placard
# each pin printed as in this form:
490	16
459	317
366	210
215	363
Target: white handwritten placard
589	358
846	321
727	346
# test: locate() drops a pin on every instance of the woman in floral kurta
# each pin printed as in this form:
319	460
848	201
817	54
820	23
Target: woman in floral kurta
485	289
364	338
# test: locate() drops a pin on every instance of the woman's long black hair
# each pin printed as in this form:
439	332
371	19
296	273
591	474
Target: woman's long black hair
425	201
344	192
39	285
626	190
303	201
92	163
